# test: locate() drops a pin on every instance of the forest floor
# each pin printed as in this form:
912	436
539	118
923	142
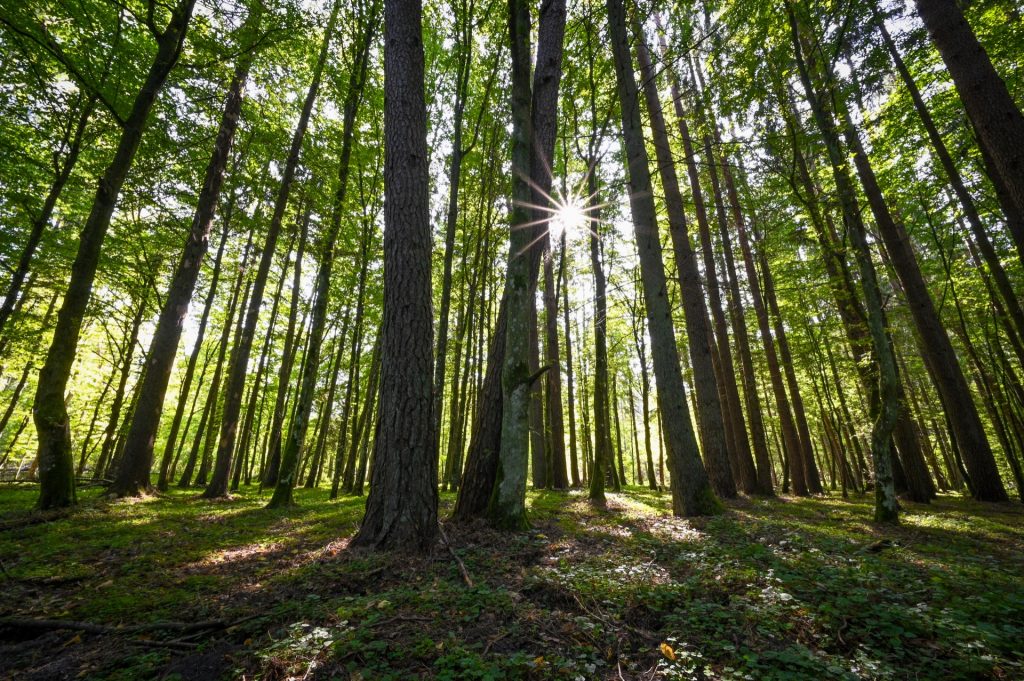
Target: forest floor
781	588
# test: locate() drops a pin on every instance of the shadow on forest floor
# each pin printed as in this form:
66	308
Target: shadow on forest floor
773	588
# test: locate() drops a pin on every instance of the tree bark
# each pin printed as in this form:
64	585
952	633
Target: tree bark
133	474
401	509
54	456
691	489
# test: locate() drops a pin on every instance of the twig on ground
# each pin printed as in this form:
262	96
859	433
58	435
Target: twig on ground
494	640
462	566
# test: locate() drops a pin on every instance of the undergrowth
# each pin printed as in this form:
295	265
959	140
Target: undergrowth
770	589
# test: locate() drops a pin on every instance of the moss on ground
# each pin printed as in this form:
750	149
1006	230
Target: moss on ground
772	588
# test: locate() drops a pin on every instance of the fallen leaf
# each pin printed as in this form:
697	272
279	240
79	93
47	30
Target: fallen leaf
667	651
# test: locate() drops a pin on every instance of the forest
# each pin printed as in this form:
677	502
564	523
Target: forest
467	339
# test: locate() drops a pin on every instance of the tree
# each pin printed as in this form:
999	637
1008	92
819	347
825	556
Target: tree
132	477
691	490
401	509
56	464
995	116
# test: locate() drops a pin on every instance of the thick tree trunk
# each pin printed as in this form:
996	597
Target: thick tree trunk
54	456
401	509
163	478
507	508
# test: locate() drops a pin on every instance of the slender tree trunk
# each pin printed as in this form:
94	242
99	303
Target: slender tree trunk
886	411
132	477
73	140
691	489
811	475
235	385
950	380
574	468
956	182
288	354
300	420
16	395
544	112
995	116
225	338
127	356
56	463
710	408
344	470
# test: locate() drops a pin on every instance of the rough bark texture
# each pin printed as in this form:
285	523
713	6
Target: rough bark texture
401	510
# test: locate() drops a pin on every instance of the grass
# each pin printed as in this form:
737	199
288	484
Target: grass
771	589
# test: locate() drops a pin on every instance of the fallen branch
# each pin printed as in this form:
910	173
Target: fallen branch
462	566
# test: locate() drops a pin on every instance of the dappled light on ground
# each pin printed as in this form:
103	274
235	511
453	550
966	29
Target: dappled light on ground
769	589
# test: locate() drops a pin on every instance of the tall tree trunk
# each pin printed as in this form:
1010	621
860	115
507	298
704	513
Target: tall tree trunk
401	509
507	507
996	118
956	182
300	420
811	475
235	386
56	463
288	354
132	477
710	408
127	356
691	489
209	407
886	410
950	380
574	468
544	111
